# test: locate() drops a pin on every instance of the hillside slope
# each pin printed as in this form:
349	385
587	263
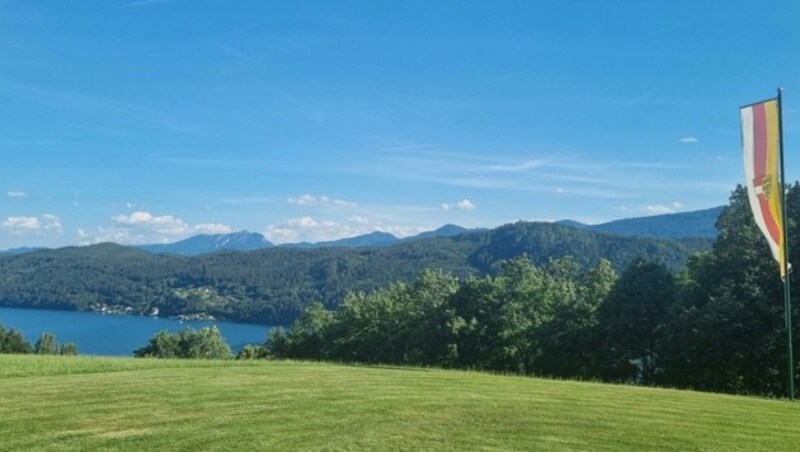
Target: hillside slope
699	223
274	284
685	224
85	403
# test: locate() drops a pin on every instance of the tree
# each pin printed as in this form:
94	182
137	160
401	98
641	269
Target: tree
250	352
568	342
632	322
428	319
305	339
46	345
14	342
163	344
205	343
730	333
496	315
68	349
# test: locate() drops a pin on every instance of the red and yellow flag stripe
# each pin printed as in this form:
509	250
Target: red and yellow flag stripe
760	149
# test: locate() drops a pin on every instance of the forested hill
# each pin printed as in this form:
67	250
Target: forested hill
275	284
699	223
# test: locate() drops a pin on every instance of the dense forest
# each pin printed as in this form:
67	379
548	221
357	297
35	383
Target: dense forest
717	324
275	285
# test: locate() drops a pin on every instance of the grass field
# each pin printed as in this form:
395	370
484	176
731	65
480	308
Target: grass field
81	403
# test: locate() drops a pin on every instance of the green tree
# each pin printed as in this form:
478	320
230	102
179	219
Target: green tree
14	342
428	319
305	339
205	343
250	352
367	327
498	314
568	341
46	345
163	344
68	349
633	320
730	333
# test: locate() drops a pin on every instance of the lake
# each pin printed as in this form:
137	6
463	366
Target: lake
116	335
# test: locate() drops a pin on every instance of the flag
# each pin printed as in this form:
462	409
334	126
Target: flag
760	146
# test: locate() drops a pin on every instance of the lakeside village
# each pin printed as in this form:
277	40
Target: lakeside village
206	297
117	309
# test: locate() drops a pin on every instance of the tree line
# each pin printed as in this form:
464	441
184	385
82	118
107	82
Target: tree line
13	342
715	325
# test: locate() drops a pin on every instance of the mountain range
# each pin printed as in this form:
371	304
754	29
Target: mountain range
249	241
274	284
700	223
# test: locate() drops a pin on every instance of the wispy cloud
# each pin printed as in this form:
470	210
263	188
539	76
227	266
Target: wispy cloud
642	98
220	160
507	76
660	209
248	200
688	140
322	201
587	178
81	103
404	147
17	194
235	53
523	166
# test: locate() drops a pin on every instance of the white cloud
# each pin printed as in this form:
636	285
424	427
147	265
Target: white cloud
663	208
309	229
51	223
17	194
464	204
21	225
559	191
43	224
324	201
689	140
141	227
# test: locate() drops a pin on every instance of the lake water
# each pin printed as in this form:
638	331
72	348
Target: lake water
115	335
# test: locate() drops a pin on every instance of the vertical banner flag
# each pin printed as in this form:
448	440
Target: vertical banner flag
760	151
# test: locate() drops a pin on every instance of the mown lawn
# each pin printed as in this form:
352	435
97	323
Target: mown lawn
85	403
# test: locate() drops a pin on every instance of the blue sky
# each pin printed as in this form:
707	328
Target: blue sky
153	120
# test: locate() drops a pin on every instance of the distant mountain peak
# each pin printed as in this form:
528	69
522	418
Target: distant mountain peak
448	230
374	238
208	243
381	238
573	223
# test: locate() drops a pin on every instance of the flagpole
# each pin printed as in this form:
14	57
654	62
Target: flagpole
787	300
